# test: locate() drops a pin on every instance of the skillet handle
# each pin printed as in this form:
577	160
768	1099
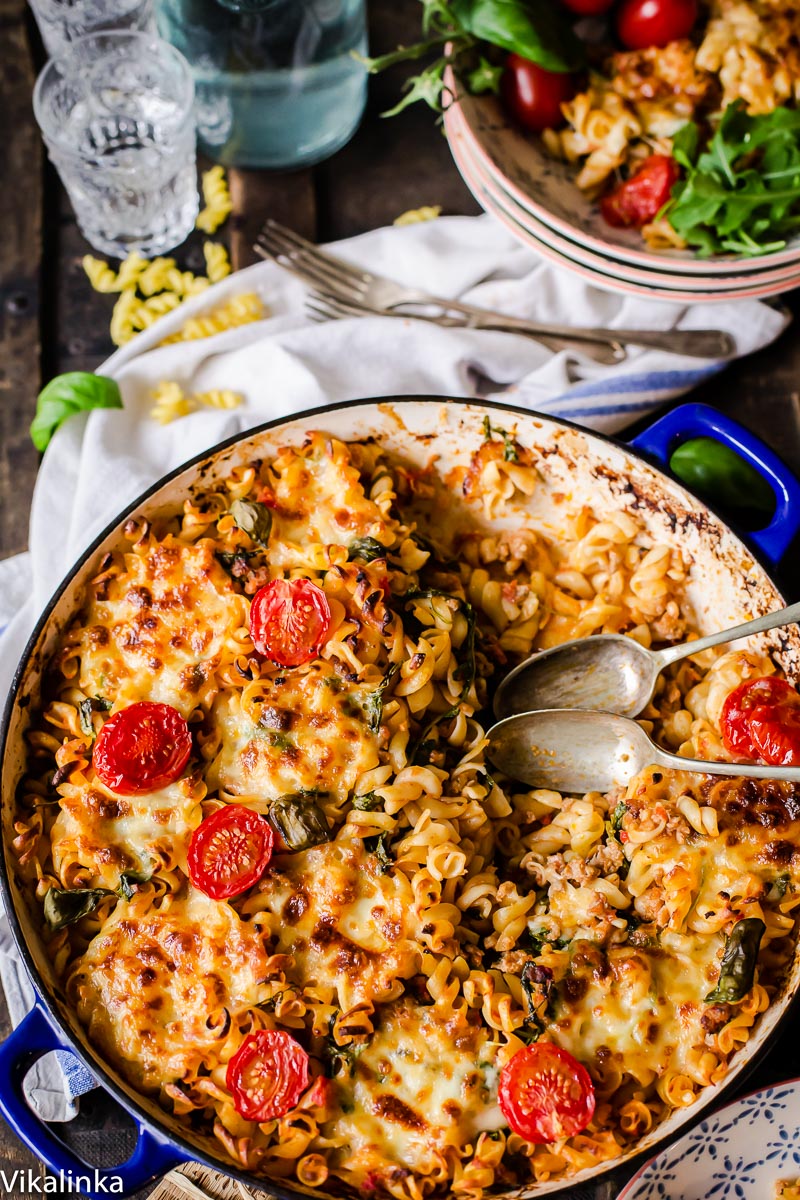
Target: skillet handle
151	1157
699	420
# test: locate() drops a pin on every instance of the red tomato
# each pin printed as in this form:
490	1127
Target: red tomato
638	199
545	1094
142	748
588	8
289	621
267	1075
643	23
229	851
534	96
761	719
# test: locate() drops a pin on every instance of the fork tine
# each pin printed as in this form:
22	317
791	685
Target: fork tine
350	308
348	272
310	271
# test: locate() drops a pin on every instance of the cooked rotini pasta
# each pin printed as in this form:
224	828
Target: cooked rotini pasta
403	921
217	200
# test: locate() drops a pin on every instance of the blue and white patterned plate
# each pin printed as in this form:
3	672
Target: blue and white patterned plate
738	1153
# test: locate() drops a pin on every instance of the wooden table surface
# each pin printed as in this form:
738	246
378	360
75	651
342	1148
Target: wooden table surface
51	321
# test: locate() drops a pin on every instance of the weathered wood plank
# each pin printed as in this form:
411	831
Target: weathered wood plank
20	258
288	196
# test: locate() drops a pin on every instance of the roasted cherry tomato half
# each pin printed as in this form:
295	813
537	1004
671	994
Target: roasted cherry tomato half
229	851
761	719
267	1075
588	8
142	748
643	23
639	199
289	621
534	96
545	1094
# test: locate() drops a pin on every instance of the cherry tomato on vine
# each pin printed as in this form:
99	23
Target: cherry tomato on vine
761	719
546	1094
534	96
643	23
289	621
588	8
229	851
142	748
640	198
267	1075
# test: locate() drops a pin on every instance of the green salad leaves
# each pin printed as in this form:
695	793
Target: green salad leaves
77	391
741	194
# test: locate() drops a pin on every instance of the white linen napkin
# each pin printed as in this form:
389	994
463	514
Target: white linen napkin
99	462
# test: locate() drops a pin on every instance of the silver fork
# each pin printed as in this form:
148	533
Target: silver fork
324	307
351	285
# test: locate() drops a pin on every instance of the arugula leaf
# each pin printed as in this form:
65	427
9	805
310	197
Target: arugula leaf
742	193
510	449
367	549
537	29
254	519
62	397
85	710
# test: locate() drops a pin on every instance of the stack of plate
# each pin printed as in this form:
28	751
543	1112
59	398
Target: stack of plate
511	175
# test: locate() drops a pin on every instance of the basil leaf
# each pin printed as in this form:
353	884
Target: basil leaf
720	475
300	822
367	549
537	29
617	816
85	710
77	391
367	803
739	959
66	907
379	846
128	881
373	705
254	519
778	889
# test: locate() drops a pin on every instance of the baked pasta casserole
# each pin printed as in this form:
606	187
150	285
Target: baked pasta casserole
287	897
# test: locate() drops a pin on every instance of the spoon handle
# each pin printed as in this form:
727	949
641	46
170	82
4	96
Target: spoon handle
675	762
784	616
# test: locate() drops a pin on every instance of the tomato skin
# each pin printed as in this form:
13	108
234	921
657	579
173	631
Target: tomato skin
588	8
761	719
545	1094
643	23
639	199
534	96
142	748
289	621
229	851
267	1075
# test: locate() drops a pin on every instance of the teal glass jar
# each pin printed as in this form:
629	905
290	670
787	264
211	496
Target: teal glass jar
276	81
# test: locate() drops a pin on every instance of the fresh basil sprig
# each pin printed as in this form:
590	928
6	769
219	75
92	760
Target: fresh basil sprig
77	391
455	31
742	193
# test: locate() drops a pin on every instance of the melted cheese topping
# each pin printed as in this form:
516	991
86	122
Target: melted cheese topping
421	1085
156	631
319	500
309	731
107	834
342	920
149	982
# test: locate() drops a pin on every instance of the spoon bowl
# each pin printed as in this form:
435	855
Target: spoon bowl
608	671
577	751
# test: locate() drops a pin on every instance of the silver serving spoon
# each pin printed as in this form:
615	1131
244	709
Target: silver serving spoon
570	750
608	671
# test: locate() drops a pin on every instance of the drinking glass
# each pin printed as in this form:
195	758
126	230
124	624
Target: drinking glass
116	115
277	82
62	21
